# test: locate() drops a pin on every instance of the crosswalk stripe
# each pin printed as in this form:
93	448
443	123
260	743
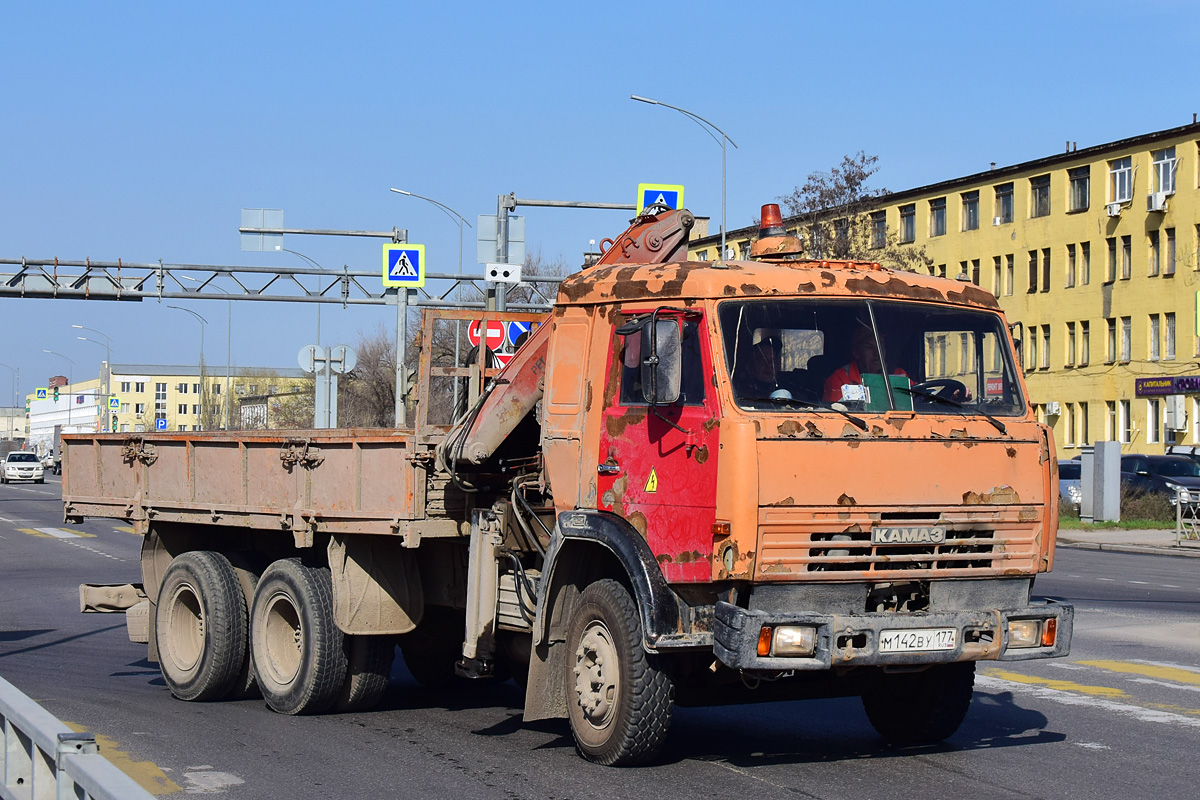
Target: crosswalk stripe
996	680
1055	684
57	533
124	529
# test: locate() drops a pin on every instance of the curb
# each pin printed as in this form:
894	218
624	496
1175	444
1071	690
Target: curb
1133	548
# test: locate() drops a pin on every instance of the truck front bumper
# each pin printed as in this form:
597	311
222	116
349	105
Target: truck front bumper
854	639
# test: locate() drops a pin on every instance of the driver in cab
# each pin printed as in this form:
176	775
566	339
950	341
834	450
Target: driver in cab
846	382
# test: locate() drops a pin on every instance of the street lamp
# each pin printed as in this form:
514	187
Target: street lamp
203	322
318	266
107	365
449	212
228	346
702	122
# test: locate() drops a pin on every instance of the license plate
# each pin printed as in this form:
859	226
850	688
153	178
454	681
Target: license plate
917	641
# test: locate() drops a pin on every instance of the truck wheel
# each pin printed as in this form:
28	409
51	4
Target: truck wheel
921	707
368	670
298	653
618	699
201	626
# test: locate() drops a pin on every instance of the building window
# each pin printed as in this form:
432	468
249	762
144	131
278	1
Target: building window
908	223
124	386
253	388
1111	420
1085	343
1045	347
1033	271
181	409
216	388
196	410
1196	421
970	211
1110	350
139	409
997	276
975	271
1111	273
1169	266
1080	190
195	388
1164	164
1083	424
1004	203
1070	432
1070	359
1031	349
160	391
1153	421
1046	269
124	427
1154	337
1070	266
1085	263
1039	196
139	387
181	388
937	217
1126	423
1126	257
1155	254
1008	270
1169	340
124	408
1126	338
878	229
1120	180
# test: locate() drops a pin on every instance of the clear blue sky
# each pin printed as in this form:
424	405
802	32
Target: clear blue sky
139	130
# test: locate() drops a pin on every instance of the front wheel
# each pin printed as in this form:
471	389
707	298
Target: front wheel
299	659
921	707
619	700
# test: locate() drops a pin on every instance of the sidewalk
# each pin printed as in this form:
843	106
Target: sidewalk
1158	542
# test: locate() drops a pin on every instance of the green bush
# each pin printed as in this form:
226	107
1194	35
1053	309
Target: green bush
1146	505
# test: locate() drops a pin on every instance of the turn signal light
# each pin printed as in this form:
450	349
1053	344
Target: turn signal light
1049	632
764	640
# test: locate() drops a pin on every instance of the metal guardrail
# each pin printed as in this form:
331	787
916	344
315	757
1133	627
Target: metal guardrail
42	759
1187	516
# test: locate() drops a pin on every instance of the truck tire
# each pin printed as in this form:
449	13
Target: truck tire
921	707
619	701
368	670
200	623
298	653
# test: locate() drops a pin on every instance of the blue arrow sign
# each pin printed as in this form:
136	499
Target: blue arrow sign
517	330
404	265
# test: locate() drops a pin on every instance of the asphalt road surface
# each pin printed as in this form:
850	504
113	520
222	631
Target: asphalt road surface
1120	717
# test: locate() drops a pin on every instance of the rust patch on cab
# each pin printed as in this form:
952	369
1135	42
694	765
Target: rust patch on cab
1000	495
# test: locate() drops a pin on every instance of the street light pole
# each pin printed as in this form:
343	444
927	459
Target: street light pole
70	381
318	266
107	370
200	373
702	122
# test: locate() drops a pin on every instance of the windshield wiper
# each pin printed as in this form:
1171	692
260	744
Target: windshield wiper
937	398
783	401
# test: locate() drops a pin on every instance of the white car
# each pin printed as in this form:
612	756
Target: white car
22	466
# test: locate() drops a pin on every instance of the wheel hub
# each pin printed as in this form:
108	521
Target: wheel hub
596	674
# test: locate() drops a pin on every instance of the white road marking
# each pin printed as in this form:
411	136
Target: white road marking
1093	745
1167	664
1110	580
1168	586
1064	665
97	552
1168	684
1141	583
57	533
1098	703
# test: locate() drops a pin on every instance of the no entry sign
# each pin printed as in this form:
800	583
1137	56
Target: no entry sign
495	333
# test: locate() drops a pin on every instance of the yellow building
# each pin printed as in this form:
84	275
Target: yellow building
1094	253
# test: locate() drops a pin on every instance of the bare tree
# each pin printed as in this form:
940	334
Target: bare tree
835	212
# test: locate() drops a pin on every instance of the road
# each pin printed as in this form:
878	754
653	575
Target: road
1119	717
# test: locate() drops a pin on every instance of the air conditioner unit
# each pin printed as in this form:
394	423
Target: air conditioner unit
1156	201
1113	209
997	221
1053	409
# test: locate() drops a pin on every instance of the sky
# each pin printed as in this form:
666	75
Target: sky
140	130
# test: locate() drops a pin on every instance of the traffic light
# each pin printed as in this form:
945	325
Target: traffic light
56	394
114	423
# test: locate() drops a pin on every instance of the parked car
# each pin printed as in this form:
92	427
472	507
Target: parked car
1162	475
1070	493
22	466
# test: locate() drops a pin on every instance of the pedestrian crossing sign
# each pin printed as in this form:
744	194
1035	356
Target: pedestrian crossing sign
668	194
40	393
404	265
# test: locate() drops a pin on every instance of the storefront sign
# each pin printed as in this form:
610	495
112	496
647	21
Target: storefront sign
1184	384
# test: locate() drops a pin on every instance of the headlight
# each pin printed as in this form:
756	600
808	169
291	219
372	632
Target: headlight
787	641
1024	632
1075	493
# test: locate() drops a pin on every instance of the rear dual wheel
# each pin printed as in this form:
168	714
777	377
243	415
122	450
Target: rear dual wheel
303	662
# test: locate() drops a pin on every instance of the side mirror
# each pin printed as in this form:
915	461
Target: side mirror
662	361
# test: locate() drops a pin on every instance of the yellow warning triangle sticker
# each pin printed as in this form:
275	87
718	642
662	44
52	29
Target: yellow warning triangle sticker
652	482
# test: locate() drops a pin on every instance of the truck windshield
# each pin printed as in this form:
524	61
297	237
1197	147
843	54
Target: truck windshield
797	354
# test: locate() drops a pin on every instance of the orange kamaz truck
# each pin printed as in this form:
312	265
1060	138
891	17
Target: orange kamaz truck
695	483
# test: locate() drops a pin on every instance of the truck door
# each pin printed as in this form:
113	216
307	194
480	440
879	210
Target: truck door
657	467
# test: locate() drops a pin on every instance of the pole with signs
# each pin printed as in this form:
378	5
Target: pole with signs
404	270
